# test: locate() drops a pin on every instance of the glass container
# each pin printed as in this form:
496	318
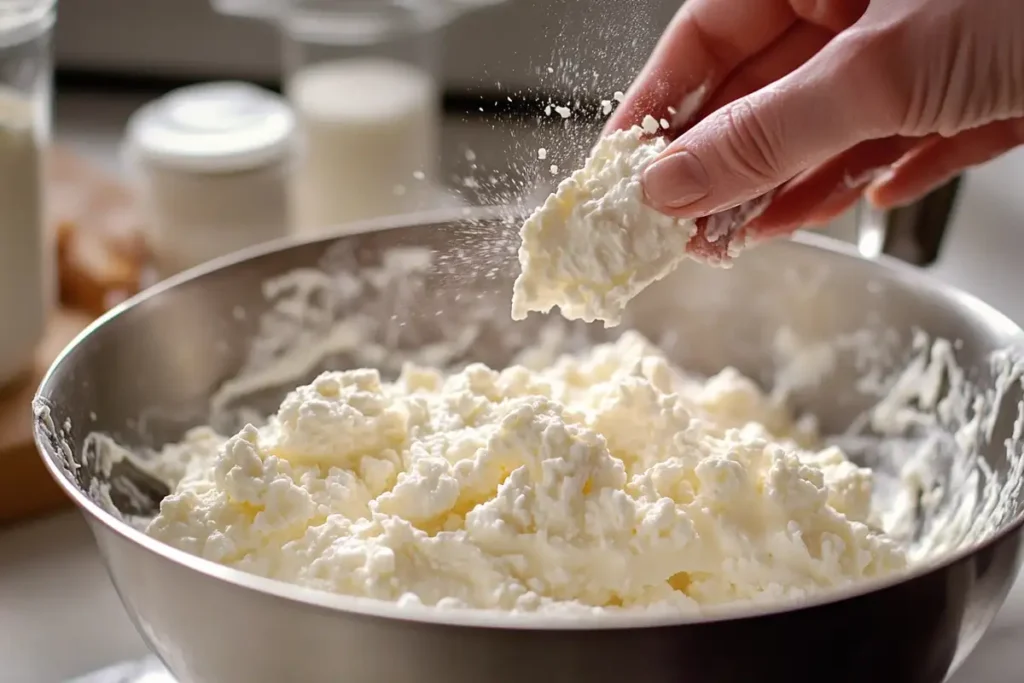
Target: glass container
210	166
363	80
27	258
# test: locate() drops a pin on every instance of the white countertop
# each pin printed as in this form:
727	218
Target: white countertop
60	616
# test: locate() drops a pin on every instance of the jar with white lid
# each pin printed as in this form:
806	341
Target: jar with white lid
210	164
362	77
27	259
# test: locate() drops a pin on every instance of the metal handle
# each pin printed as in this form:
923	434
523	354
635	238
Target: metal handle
912	233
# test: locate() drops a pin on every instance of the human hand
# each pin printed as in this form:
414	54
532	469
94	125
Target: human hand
820	101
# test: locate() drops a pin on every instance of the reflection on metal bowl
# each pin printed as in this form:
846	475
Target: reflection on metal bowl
158	365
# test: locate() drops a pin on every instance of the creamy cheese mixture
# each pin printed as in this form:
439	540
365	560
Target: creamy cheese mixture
608	480
595	244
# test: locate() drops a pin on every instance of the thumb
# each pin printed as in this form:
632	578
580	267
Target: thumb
756	143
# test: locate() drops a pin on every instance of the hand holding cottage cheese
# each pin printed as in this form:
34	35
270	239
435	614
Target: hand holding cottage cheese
604	481
595	244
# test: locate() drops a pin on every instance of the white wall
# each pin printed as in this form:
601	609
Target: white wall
509	43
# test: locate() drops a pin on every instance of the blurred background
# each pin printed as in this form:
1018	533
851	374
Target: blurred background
177	131
351	109
510	43
139	139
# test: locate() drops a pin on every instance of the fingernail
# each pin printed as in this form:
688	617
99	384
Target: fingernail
676	181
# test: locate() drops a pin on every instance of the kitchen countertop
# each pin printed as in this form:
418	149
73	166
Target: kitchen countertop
59	613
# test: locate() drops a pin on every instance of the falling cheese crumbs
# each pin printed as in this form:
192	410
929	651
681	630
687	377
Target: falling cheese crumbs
650	125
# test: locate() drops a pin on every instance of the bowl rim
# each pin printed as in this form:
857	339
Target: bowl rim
575	619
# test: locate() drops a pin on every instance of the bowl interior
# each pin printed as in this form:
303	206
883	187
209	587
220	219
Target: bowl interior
827	329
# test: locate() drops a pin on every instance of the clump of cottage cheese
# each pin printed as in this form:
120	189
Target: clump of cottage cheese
595	244
607	480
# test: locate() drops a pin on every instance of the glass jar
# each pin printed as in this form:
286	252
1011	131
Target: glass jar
27	259
210	165
361	77
363	80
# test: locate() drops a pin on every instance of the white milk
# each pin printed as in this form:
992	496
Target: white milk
370	131
26	264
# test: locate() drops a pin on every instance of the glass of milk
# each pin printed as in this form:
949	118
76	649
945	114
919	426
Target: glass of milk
27	260
362	78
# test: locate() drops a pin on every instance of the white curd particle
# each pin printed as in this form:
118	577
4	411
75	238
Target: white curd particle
368	125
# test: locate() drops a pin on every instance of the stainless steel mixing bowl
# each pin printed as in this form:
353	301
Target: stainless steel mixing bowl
148	370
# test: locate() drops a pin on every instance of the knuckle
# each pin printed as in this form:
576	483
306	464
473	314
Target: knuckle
754	143
870	64
929	73
835	15
814	11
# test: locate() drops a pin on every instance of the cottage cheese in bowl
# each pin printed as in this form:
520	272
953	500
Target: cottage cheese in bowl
606	480
589	478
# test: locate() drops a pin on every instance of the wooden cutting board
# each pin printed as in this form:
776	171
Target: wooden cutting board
26	488
100	258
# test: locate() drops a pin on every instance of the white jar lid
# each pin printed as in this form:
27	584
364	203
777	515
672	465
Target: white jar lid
213	128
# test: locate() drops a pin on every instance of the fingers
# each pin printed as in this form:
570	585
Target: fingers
834	15
940	159
708	40
797	45
715	234
755	144
821	194
704	43
893	171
